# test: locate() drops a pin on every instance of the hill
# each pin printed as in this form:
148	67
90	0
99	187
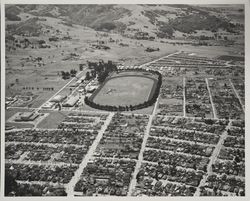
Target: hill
156	20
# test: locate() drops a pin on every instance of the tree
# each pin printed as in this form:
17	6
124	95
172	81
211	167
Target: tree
73	72
87	76
81	67
12	17
40	42
26	42
65	75
10	184
167	30
93	73
106	26
102	76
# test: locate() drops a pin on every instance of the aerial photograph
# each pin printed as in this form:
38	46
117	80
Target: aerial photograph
124	100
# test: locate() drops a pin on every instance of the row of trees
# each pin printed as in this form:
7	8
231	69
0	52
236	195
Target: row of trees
44	88
145	104
67	75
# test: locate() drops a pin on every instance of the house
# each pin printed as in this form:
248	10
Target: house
27	116
58	99
48	105
90	89
71	101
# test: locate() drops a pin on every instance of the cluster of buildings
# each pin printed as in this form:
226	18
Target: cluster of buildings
24	172
123	137
197	98
225	99
106	177
177	152
26	116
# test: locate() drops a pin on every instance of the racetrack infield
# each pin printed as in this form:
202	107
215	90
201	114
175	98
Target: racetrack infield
125	88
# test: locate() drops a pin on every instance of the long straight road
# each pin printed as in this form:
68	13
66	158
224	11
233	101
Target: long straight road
140	157
54	145
38	163
213	158
237	95
76	177
41	183
143	65
184	97
59	90
191	142
211	99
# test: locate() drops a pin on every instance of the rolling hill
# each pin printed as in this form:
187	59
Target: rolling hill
160	20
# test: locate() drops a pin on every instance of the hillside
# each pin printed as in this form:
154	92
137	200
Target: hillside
156	20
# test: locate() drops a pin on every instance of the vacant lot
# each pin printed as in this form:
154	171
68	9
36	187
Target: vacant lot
125	90
52	120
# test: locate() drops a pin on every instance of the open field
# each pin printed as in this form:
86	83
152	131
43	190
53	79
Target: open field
125	90
52	120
